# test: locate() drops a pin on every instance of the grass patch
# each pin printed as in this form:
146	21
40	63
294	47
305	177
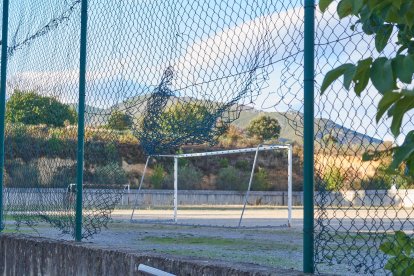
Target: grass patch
226	243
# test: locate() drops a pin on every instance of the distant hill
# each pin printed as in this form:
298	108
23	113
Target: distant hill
292	127
291	122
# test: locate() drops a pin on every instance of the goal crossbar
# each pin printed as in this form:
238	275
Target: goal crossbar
257	149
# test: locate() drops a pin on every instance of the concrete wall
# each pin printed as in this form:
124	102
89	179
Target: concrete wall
162	198
397	198
23	255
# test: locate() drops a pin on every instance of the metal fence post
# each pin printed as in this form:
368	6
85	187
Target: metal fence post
308	136
3	100
81	120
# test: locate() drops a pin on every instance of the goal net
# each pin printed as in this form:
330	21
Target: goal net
249	187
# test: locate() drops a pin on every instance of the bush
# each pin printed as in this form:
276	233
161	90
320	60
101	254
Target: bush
333	179
22	174
224	162
64	176
242	165
111	174
260	181
157	177
231	178
120	121
189	178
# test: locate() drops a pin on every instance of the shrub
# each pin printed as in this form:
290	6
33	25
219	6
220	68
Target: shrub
260	181
22	174
157	177
333	179
231	137
111	174
189	178
223	162
120	121
64	176
231	178
242	165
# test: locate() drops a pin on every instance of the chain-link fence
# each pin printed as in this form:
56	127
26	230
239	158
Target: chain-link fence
163	74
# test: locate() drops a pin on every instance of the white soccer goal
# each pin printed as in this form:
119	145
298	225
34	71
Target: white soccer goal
174	217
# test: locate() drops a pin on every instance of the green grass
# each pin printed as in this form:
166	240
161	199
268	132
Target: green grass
222	242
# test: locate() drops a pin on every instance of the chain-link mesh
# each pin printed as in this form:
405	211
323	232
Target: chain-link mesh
162	74
358	205
41	129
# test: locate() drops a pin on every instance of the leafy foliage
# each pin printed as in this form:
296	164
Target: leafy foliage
109	174
401	252
260	180
119	121
31	108
388	74
264	127
230	178
333	179
157	177
189	177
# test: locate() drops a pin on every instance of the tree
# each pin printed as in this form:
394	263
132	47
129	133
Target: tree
119	121
30	108
186	120
264	127
390	75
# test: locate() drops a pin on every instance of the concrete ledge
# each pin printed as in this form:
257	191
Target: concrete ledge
25	255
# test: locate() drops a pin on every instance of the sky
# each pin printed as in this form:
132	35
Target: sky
213	46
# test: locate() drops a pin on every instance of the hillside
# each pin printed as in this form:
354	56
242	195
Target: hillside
292	127
291	122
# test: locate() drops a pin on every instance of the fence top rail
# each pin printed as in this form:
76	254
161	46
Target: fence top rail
224	152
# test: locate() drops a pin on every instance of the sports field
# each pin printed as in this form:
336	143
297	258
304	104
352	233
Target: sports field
264	238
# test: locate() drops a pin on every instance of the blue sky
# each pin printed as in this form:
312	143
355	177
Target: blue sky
203	40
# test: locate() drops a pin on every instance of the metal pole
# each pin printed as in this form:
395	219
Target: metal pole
308	137
290	186
175	187
3	100
246	197
81	120
140	186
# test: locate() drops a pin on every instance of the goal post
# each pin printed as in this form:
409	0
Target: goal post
256	150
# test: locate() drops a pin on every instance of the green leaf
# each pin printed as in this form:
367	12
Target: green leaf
389	248
403	152
349	76
401	107
391	264
386	101
409	15
402	238
356	6
382	75
406	71
324	4
345	8
382	36
334	74
361	77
